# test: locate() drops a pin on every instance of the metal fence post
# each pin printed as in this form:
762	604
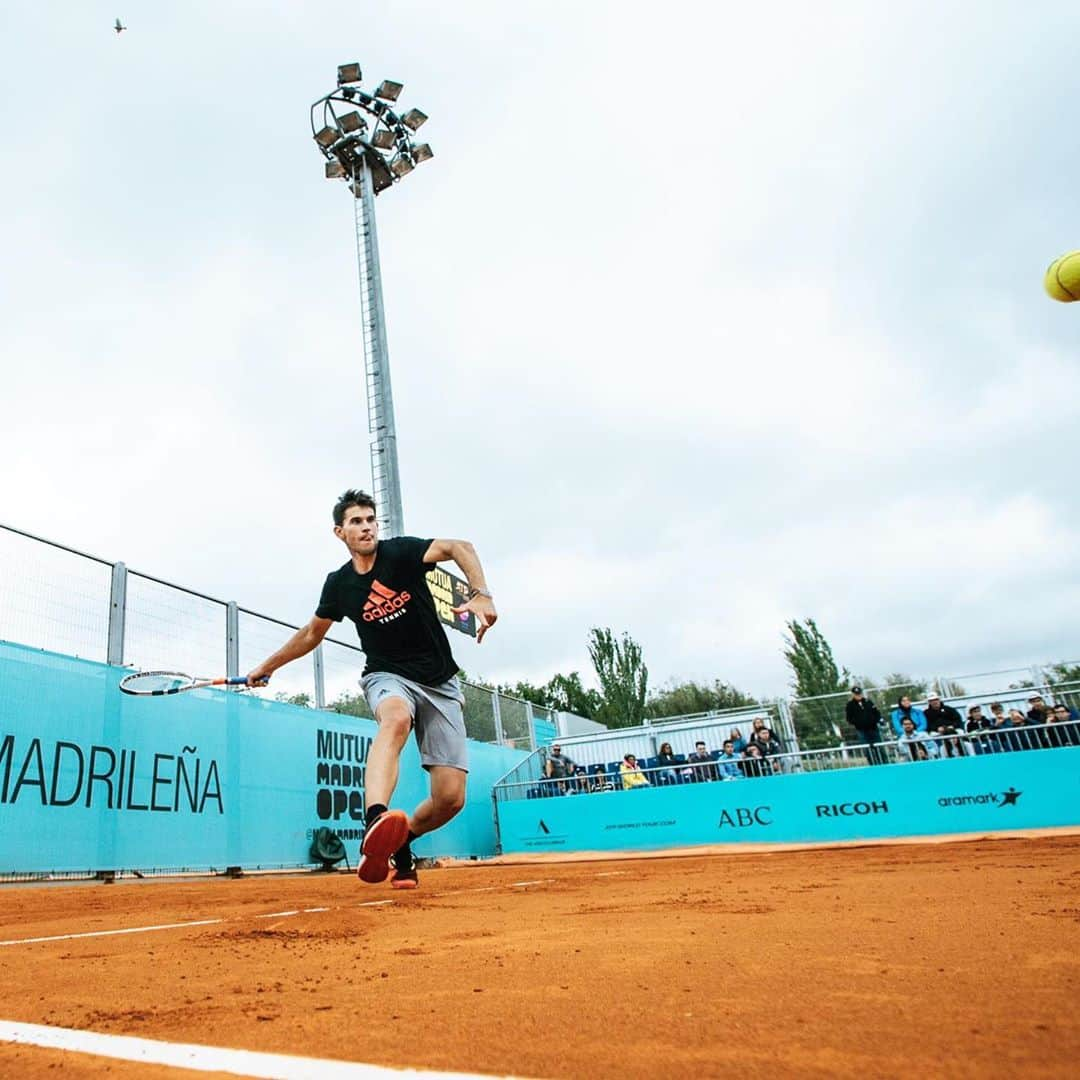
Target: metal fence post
232	639
532	727
320	679
500	738
114	652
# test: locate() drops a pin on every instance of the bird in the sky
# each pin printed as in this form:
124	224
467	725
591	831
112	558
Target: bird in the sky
119	26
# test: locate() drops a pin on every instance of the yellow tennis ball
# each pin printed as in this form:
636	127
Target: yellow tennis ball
1063	278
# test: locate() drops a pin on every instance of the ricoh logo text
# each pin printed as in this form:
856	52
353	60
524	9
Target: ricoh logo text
851	809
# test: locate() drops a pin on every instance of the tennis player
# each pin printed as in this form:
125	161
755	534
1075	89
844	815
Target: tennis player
410	677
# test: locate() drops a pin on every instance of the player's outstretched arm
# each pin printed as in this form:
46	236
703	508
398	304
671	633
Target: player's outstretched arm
480	601
300	644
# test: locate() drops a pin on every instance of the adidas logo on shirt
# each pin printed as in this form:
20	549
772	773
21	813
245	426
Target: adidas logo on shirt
383	603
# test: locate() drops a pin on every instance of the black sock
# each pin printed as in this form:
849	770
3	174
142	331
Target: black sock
373	812
406	848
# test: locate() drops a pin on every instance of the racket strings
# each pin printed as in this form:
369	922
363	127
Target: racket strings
156	682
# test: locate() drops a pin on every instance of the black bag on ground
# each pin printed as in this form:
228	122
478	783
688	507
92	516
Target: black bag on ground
326	847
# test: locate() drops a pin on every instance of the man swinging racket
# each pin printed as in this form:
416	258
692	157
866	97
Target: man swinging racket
410	677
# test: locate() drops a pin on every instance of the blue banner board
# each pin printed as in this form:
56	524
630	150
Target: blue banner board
1020	790
92	779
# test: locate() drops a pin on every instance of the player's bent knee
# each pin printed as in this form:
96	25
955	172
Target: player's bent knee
450	802
395	721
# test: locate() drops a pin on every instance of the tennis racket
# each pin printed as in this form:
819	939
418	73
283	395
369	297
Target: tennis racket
159	683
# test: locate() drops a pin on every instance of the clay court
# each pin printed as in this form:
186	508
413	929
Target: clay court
941	959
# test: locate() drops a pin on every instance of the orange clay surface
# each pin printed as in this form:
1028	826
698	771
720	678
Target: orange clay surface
957	959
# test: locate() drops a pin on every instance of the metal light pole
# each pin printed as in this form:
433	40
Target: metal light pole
368	145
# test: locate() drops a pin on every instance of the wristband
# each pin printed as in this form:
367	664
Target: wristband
474	593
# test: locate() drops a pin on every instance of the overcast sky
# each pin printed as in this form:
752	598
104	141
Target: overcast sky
703	317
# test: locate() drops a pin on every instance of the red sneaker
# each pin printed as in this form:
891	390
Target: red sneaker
381	839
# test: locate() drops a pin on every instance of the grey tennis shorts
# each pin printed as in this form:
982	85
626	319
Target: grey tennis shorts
438	719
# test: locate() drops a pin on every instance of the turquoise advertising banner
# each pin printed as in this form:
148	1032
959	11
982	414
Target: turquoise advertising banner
1018	790
92	779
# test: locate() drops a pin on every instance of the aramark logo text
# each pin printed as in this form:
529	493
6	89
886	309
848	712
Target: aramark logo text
994	798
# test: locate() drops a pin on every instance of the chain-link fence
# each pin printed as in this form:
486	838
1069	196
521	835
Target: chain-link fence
55	598
821	722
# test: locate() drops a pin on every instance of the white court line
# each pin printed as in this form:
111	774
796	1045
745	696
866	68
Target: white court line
612	873
200	1058
270	915
110	933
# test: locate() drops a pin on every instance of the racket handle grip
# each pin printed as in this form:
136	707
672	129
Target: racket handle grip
241	680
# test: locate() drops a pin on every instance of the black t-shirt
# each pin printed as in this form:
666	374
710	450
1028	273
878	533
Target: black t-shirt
394	612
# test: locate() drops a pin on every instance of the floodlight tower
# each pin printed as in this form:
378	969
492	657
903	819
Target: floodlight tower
369	145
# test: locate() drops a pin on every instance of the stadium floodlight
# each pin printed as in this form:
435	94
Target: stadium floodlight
389	90
368	146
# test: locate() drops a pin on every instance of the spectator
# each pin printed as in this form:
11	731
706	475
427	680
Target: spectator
704	768
753	763
757	725
942	719
770	749
1066	730
727	764
1015	736
671	770
917	744
905	710
601	781
977	724
578	781
864	716
632	776
558	767
1036	709
738	741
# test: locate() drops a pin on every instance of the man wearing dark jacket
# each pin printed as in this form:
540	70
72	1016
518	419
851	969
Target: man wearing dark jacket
863	715
942	719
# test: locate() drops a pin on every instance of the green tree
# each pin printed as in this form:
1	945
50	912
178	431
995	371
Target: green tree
948	688
678	699
351	704
623	677
301	699
1057	674
886	692
814	674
